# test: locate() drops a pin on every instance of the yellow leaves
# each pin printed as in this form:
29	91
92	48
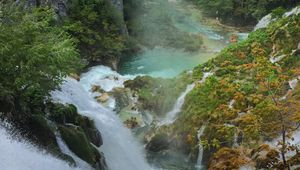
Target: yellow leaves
226	63
189	138
249	66
255	98
227	158
250	125
257	50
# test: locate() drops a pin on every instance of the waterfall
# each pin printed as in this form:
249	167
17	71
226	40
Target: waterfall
201	149
16	154
205	76
264	22
235	139
171	116
120	148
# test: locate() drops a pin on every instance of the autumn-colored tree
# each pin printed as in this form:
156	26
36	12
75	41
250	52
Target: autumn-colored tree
280	113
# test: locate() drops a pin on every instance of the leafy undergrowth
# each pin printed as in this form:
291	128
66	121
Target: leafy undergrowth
249	99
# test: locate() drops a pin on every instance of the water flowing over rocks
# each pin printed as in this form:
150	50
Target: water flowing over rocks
118	144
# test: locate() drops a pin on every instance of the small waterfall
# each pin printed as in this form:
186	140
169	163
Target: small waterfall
231	103
205	76
201	149
17	154
235	140
264	22
171	116
293	83
120	148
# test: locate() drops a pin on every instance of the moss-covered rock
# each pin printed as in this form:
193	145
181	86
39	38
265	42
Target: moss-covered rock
90	130
158	143
62	113
77	141
41	132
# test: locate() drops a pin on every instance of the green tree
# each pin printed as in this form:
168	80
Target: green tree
35	54
98	27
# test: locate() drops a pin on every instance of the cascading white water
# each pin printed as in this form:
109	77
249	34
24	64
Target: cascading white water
17	154
205	76
264	22
121	150
201	149
171	116
235	140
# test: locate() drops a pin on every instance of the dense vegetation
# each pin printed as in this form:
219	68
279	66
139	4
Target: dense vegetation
98	27
248	101
242	12
35	55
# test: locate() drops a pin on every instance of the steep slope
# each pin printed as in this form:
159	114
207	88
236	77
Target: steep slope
252	97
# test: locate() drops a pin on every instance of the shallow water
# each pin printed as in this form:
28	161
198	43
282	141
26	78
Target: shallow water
164	60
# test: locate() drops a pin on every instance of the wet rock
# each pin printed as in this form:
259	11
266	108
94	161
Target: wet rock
103	98
122	96
91	131
40	132
94	136
96	88
75	76
78	143
158	143
131	123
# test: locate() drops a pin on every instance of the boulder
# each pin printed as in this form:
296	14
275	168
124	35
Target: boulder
75	76
103	98
122	96
96	88
158	143
78	143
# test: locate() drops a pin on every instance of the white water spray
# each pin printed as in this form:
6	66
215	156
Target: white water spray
120	148
17	154
201	149
171	116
